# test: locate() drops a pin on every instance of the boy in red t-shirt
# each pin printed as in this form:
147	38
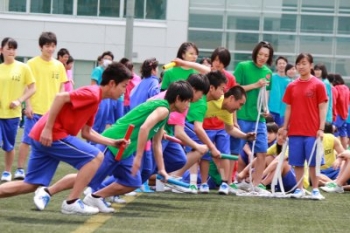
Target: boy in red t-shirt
305	118
54	140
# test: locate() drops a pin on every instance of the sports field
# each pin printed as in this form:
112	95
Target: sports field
170	212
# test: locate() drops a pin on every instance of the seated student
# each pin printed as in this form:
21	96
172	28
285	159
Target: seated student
331	144
149	119
54	140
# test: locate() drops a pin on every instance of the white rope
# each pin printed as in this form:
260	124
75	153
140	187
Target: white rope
278	171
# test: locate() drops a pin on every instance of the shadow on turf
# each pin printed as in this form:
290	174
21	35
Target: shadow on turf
43	221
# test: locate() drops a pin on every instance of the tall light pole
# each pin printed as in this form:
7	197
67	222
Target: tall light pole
129	28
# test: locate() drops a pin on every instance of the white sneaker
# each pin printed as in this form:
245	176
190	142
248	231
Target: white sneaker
232	188
41	198
223	189
243	186
179	189
117	199
316	195
260	190
133	193
19	174
78	207
298	193
87	191
204	188
6	176
332	187
98	203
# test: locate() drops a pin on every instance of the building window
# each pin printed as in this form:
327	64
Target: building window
280	22
317	24
40	6
17	5
62	7
148	9
87	7
316	44
109	8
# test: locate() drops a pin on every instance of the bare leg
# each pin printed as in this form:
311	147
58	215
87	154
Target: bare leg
313	177
9	156
113	190
22	155
192	158
67	182
259	168
299	174
84	176
15	188
204	170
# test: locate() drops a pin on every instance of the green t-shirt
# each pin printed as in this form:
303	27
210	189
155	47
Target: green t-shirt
197	110
137	117
175	74
248	73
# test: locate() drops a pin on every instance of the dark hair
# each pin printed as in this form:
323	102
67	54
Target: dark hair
272	127
99	58
201	61
107	53
183	48
10	42
62	52
223	54
181	89
47	38
263	44
330	78
281	58
237	91
117	72
338	80
70	59
216	78
269	119
328	128
199	82
308	56
127	63
147	66
288	67
323	68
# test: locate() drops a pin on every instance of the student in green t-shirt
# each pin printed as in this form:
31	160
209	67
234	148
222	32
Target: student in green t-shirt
185	65
253	75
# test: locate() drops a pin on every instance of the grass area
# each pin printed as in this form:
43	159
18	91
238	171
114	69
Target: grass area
169	212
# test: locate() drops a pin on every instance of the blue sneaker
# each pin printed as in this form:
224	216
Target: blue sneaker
6	176
41	198
223	189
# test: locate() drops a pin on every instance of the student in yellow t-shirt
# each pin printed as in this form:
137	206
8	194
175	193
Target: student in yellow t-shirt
50	76
17	85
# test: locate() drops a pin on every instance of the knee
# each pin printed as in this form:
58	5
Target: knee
99	158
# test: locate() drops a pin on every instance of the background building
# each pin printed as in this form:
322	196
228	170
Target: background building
89	27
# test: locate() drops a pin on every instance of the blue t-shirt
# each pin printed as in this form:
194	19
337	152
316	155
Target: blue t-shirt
147	88
329	116
278	88
96	74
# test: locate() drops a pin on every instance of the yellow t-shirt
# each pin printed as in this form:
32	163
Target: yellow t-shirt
272	151
49	76
328	146
215	110
14	78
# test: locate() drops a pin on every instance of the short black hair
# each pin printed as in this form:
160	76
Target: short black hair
183	48
47	38
338	80
288	67
330	77
199	82
281	58
323	68
12	43
308	56
147	66
328	127
181	89
263	44
127	63
237	92
201	61
216	78
272	127
117	72
107	53
70	59
62	52
223	54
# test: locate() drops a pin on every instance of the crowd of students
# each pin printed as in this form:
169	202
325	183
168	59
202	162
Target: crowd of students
210	110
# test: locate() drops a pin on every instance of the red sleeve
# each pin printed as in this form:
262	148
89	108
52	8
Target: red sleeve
287	98
85	96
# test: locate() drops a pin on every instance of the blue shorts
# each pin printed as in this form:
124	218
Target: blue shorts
189	130
116	110
221	139
237	144
289	181
148	165
244	156
121	170
43	160
300	148
331	173
348	129
126	109
101	116
174	157
28	125
8	132
341	127
277	118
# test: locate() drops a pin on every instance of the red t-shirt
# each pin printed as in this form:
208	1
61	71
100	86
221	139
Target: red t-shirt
304	98
334	98
213	122
342	103
132	83
73	115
